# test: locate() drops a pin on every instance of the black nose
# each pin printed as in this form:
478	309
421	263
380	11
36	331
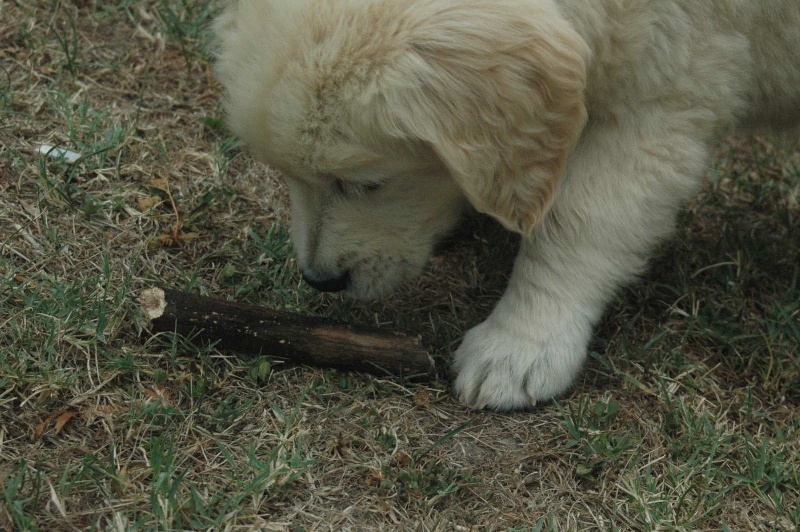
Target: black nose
331	284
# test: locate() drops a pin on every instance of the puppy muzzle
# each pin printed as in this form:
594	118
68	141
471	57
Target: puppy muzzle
328	284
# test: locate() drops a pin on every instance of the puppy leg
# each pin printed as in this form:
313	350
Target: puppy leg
619	197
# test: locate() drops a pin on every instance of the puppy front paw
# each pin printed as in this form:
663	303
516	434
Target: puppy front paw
501	368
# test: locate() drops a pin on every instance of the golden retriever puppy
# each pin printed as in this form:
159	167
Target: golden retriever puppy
584	125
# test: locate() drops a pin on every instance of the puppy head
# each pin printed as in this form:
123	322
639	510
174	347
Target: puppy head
383	115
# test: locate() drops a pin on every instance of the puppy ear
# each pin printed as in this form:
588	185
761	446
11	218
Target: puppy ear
496	89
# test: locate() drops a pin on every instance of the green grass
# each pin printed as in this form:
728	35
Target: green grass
187	22
687	417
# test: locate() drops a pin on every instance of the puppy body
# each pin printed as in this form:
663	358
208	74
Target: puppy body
582	124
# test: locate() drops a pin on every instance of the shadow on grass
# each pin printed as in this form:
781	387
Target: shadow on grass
722	291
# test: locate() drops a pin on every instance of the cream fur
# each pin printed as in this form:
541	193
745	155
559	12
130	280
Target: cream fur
442	101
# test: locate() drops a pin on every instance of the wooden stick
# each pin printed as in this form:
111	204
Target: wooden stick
252	330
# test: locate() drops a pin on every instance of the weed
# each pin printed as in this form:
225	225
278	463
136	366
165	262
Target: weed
187	21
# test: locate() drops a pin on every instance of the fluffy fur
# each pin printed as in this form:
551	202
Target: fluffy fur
582	124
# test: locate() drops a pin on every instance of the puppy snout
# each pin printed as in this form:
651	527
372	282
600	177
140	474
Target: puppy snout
328	284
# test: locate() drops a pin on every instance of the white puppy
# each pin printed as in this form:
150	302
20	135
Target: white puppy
582	124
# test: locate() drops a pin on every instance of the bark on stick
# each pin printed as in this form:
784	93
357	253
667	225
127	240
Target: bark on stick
251	330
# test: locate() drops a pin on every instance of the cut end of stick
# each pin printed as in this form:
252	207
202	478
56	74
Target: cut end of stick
152	303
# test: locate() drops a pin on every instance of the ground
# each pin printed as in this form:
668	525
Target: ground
687	416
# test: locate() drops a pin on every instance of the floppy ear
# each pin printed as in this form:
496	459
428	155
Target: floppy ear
496	89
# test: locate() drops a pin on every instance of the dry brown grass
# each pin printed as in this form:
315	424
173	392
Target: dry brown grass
688	415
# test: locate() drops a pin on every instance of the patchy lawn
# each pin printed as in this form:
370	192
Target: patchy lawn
687	417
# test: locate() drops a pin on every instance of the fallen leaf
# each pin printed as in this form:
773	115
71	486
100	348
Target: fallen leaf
166	240
375	475
145	204
159	183
62	417
22	279
422	397
402	460
158	392
40	429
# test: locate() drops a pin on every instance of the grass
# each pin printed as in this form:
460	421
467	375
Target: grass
687	417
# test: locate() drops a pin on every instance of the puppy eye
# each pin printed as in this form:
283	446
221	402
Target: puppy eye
372	187
348	190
